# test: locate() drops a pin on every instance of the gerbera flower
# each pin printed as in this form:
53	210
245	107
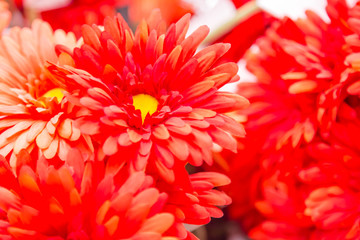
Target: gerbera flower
34	115
151	97
302	128
79	201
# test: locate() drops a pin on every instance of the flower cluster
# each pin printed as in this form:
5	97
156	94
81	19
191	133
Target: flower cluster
107	130
96	133
301	155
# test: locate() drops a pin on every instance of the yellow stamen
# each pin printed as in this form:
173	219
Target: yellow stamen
146	104
55	92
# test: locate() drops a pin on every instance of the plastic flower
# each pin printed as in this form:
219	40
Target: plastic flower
34	114
79	201
302	127
150	96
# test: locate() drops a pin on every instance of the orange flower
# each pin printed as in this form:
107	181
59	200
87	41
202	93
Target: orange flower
77	201
34	115
151	97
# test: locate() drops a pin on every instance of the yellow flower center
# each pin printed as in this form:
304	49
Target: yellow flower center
55	92
146	104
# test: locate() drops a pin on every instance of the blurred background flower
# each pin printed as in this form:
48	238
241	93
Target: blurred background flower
300	156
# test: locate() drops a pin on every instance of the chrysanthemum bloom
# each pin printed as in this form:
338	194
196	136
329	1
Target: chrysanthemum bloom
303	124
309	193
151	98
295	99
316	57
79	201
33	113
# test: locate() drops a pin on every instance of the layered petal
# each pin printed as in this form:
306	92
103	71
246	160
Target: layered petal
34	114
49	203
150	95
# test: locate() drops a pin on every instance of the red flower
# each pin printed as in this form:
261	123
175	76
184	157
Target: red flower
79	12
150	97
79	201
302	127
314	57
34	115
